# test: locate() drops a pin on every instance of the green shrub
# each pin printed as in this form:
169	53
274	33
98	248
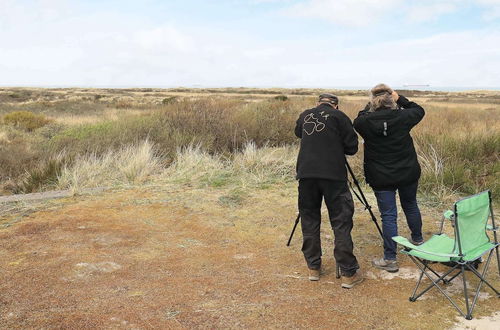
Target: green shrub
21	95
86	131
281	98
169	100
26	120
217	125
50	130
84	138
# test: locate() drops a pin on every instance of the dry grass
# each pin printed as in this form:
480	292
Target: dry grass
110	114
133	164
260	166
458	141
193	164
174	256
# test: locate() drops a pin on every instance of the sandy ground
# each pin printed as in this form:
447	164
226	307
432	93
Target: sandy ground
177	257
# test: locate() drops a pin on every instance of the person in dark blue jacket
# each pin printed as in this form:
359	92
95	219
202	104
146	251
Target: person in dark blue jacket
326	135
391	164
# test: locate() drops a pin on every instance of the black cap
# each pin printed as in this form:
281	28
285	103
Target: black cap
329	98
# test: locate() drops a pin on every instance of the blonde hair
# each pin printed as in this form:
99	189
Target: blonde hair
381	98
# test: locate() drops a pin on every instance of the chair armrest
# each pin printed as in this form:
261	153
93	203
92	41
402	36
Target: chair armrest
450	215
490	227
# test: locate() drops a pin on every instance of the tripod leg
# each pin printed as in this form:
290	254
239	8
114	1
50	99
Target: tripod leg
337	268
362	198
293	230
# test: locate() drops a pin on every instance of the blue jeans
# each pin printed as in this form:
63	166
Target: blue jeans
386	201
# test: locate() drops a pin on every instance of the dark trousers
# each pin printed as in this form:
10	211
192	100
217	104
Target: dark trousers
386	201
338	200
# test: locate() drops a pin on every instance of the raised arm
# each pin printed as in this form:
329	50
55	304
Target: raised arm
412	111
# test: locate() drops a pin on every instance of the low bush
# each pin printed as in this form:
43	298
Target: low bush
281	98
217	125
169	100
26	120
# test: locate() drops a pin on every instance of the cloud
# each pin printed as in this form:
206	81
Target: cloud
354	13
115	49
492	11
428	12
363	13
164	39
268	1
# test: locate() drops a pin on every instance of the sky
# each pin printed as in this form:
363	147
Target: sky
250	43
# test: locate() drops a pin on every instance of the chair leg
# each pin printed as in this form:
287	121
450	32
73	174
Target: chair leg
482	281
452	278
435	283
412	298
432	271
466	294
440	278
498	260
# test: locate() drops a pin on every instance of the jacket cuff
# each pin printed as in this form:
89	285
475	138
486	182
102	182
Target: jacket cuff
402	101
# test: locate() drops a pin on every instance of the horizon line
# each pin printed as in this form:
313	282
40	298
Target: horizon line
196	86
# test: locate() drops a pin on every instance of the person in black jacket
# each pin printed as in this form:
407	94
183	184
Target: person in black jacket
390	164
326	136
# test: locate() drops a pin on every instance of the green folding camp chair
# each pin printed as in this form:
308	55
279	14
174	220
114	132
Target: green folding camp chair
463	252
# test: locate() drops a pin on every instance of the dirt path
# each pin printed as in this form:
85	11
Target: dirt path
45	195
155	258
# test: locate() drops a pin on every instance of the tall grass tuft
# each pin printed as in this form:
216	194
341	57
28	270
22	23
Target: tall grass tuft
251	167
265	165
130	165
44	175
193	164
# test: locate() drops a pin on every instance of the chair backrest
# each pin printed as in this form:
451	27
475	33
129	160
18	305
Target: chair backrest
471	219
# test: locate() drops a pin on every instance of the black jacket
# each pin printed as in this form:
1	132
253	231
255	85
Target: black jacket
390	157
326	136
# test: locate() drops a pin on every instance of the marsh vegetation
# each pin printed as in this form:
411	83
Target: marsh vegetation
76	138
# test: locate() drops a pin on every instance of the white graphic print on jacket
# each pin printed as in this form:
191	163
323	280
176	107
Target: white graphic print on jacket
313	124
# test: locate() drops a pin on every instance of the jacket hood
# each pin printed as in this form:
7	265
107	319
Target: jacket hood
382	122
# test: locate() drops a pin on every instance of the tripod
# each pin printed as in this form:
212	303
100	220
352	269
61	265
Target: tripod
360	196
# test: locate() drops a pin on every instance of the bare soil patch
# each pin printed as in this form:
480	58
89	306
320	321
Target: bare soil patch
176	257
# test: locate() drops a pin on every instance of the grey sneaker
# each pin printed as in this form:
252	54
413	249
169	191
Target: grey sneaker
389	265
349	282
314	274
417	243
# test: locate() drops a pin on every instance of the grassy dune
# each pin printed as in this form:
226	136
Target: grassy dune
131	136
